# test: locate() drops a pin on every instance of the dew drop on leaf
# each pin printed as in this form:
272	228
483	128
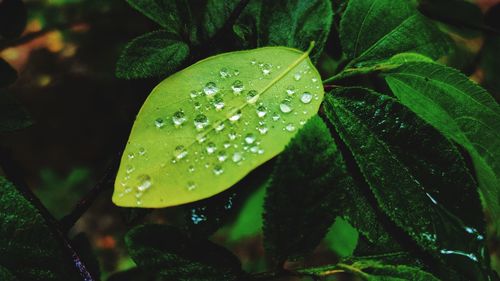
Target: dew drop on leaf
222	156
159	123
200	121
276	117
232	135
142	151
285	106
263	129
266	69
237	157
261	111
218	170
220	126
224	73
211	148
191	169
250	138
180	152
306	97
218	103
191	185
193	94
290	127
210	89
144	183
237	87
297	76
252	96
290	90
178	118
235	116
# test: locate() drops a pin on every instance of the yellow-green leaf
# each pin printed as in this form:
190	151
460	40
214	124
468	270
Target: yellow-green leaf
204	128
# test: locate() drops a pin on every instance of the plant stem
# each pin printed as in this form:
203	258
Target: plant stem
12	172
68	221
313	272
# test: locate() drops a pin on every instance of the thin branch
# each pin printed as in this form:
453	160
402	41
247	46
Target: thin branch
68	221
12	172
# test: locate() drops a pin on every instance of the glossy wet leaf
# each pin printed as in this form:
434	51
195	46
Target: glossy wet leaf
461	110
169	254
374	30
204	128
156	53
389	142
287	23
28	248
302	194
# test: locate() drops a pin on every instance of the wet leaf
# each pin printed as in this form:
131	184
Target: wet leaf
374	30
461	110
28	248
302	194
389	142
170	254
204	128
372	270
153	54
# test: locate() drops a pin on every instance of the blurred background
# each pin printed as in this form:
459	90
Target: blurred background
82	115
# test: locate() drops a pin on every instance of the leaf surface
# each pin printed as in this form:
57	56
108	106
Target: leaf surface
461	110
303	193
371	270
169	254
388	142
375	30
204	128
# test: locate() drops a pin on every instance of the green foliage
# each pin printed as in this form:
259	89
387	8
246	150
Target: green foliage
342	238
291	23
300	199
232	109
28	247
372	31
249	221
151	54
375	271
459	109
6	275
169	254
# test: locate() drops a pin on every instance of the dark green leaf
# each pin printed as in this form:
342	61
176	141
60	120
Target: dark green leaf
374	30
461	110
413	172
5	275
300	199
174	256
459	13
342	238
372	270
12	115
249	220
152	54
164	12
8	75
490	64
28	248
12	18
291	23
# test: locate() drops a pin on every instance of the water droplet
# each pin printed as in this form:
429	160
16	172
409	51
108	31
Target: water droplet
250	138
201	138
276	117
144	182
178	118
142	151
253	62
159	122
266	69
220	126
218	103
222	156
224	73
306	97
227	145
232	135
197	105
180	152
285	106
235	116
210	89
290	90
237	87
263	129
314	80
129	169
236	72
237	157
261	111
200	121
290	127
218	170
193	94
211	147
130	156
191	169
191	185
252	96
297	76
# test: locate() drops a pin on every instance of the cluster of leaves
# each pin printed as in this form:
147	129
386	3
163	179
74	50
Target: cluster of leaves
402	153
